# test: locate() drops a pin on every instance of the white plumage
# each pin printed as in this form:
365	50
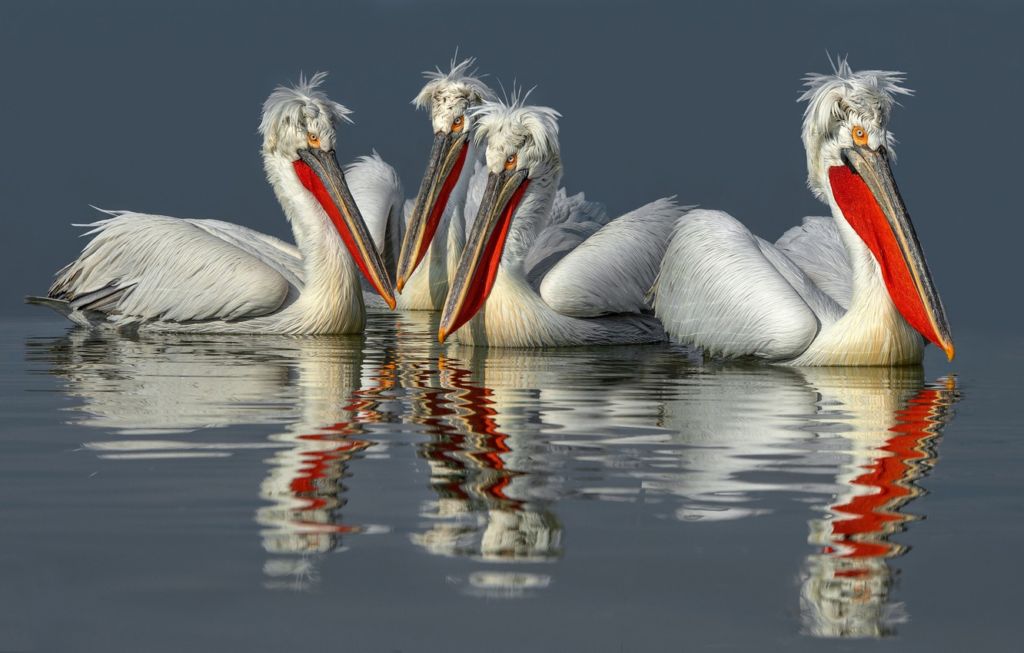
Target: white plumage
450	96
587	282
817	249
567	276
819	296
162	273
378	192
446	96
156	268
735	294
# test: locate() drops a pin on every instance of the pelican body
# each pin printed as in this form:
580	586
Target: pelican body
160	273
536	270
853	289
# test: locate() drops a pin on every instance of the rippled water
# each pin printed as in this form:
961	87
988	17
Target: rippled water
385	493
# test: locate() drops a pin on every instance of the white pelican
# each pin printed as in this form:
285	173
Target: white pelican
538	291
171	274
850	290
439	205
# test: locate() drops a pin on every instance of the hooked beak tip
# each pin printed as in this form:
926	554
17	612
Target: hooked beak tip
950	351
391	302
400	284
442	335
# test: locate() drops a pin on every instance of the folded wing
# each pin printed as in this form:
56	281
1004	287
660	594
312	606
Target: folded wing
142	267
733	294
816	248
612	270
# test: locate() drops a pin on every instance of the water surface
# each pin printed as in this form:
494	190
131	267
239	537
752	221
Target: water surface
385	493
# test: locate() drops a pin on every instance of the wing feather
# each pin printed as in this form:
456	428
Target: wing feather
378	193
143	267
474	195
723	289
816	247
573	220
284	257
612	270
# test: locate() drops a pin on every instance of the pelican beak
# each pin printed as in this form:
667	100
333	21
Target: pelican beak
868	196
447	157
320	174
478	266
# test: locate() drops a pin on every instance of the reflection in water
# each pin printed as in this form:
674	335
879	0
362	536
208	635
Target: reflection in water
490	501
178	384
513	439
858	437
492	490
846	586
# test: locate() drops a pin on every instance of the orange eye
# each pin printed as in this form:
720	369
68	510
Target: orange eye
458	124
313	140
511	161
860	135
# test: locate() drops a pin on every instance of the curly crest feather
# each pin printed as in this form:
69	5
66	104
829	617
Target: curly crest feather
296	110
843	97
869	93
531	131
461	80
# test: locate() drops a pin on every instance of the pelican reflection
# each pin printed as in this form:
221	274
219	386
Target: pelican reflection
846	584
317	392
497	472
491	499
855	441
509	441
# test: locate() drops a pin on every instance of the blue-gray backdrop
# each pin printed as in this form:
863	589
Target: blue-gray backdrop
154	107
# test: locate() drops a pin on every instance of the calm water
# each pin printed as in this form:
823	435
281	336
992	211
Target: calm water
383	493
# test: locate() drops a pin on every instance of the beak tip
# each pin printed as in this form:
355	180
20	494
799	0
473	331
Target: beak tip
950	351
442	335
400	284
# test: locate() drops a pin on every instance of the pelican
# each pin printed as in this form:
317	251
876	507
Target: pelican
853	289
160	273
534	291
439	206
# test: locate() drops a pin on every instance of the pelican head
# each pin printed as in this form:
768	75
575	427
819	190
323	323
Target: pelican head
849	149
448	97
298	127
522	150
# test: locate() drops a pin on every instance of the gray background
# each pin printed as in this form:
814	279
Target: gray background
155	107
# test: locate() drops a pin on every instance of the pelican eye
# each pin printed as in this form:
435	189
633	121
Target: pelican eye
313	140
511	161
860	135
458	124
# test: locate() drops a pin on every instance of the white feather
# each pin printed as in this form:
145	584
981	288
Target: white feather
817	248
613	270
714	291
842	98
542	232
175	270
573	220
815	298
447	96
161	273
377	191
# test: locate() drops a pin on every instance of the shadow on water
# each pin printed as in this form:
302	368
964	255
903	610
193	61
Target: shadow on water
513	439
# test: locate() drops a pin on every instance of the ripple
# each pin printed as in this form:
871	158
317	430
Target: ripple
488	450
